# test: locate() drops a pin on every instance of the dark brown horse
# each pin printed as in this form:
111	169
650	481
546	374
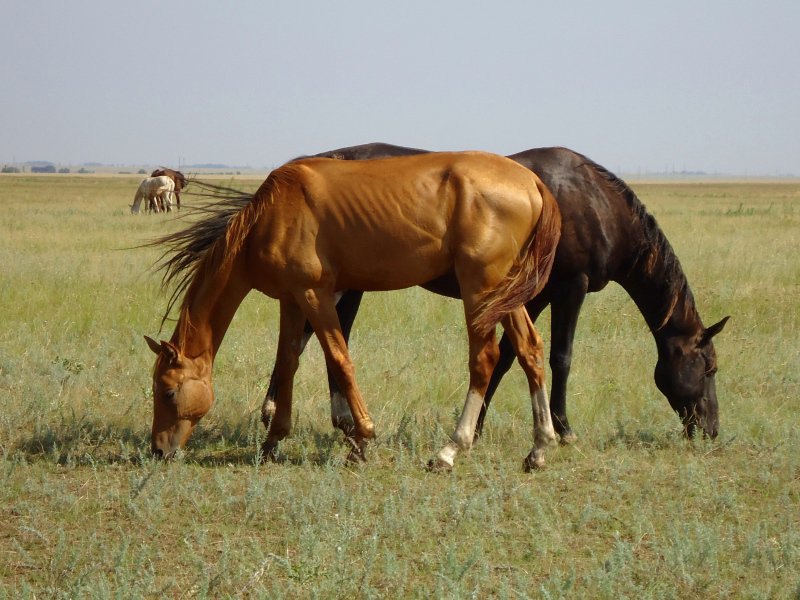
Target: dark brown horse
177	177
607	235
319	226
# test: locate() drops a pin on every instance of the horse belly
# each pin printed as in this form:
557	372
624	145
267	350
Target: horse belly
390	264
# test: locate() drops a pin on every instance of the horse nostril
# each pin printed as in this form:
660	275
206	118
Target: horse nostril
158	453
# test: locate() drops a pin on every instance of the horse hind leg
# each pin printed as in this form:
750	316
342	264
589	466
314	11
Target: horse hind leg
483	356
564	320
530	354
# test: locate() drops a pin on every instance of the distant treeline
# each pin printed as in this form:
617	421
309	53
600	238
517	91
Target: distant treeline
40	169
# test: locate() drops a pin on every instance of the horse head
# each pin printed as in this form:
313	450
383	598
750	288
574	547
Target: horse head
685	375
182	395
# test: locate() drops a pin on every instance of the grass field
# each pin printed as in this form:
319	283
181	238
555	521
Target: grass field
631	510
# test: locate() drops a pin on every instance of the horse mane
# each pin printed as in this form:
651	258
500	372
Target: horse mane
208	243
654	257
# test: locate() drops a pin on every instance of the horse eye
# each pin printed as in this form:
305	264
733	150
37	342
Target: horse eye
170	394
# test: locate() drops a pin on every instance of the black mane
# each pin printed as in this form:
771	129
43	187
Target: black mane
654	258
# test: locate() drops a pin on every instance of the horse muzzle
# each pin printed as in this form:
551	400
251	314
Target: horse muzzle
164	444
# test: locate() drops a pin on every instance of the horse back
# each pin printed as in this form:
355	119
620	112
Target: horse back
397	222
598	234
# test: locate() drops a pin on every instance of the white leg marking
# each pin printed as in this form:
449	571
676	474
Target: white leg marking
465	430
464	433
447	455
543	432
268	408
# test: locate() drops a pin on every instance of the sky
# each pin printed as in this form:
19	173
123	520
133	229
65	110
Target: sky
684	85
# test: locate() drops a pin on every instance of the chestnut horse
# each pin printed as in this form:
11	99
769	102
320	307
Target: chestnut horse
178	179
318	226
607	235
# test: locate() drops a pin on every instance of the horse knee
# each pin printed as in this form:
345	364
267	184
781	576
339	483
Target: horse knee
560	362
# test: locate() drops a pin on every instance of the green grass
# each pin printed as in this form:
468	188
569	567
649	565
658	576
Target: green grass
631	510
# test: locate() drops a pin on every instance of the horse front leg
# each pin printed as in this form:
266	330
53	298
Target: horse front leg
319	307
341	417
268	405
288	358
346	309
530	354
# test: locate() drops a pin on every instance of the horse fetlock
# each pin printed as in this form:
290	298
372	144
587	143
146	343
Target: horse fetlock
365	428
463	439
445	460
568	437
544	436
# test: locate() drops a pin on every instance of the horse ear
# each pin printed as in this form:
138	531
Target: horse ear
710	332
154	345
168	349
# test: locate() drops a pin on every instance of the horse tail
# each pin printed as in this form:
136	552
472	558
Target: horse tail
530	272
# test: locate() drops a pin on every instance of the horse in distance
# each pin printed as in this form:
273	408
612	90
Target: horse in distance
157	192
178	178
319	226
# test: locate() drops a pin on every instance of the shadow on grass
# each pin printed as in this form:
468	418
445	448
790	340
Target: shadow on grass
82	441
632	435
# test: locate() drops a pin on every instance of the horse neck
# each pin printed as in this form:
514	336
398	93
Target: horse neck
658	286
208	309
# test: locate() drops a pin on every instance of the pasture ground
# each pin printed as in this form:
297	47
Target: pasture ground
630	510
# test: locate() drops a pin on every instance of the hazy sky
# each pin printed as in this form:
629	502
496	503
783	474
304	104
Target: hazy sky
638	86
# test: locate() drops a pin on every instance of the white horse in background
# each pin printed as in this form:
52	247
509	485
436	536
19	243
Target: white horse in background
158	193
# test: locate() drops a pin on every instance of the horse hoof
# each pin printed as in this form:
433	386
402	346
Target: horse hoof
269	452
358	451
437	465
533	462
356	457
568	438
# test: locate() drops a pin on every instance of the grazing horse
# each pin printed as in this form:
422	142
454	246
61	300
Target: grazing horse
607	235
178	179
318	226
154	189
